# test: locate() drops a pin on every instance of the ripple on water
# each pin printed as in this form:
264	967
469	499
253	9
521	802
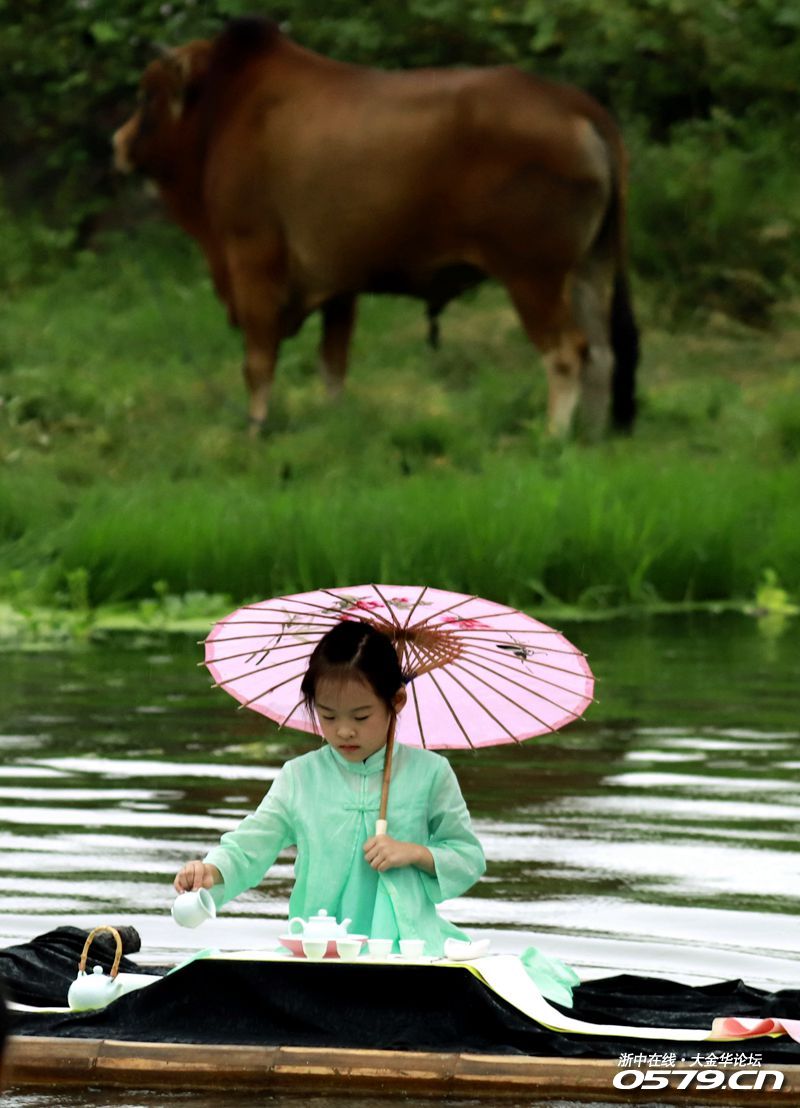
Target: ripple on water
679	809
644	780
610	857
134	767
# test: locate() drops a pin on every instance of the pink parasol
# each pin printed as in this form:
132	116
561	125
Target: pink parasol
480	673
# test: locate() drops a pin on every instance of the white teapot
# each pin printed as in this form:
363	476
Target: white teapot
97	989
320	926
93	990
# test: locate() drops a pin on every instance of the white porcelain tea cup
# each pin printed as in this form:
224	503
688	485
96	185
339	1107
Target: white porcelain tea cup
348	949
412	948
380	948
314	949
192	909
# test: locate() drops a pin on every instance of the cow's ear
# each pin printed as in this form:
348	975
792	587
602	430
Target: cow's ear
178	64
186	68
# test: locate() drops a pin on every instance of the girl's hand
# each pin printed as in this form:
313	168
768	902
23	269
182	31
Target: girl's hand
196	875
384	853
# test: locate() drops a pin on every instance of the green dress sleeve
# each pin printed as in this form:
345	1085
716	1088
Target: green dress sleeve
457	853
245	854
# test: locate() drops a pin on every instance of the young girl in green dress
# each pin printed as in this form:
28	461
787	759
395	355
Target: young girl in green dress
326	804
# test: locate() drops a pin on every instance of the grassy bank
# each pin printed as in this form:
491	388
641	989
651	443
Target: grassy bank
127	476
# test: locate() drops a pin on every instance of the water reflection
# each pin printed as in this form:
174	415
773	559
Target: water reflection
656	837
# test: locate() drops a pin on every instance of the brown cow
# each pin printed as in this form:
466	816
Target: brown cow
307	181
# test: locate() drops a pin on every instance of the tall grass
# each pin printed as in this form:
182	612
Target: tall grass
126	467
608	537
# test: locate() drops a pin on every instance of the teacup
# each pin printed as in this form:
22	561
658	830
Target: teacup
380	948
348	949
314	949
412	948
192	909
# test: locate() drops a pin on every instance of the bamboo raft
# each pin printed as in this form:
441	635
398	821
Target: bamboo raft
46	1061
490	1012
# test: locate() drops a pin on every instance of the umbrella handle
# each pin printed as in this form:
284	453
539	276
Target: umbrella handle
381	824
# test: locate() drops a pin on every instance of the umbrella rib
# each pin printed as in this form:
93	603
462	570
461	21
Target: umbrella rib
491	633
260	669
543	665
266	692
419	717
352	606
500	662
497	692
321	611
267	650
496	630
290	714
443	611
262	634
414	607
285	622
483	707
452	711
316	605
387	606
525	688
534	677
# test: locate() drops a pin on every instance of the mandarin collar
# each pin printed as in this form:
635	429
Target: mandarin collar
373	764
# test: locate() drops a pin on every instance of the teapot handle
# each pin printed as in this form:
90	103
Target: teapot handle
88	943
300	928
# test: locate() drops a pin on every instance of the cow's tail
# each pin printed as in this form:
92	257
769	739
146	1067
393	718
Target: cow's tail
623	332
625	345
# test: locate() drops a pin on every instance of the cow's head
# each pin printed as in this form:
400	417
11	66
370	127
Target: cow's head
154	136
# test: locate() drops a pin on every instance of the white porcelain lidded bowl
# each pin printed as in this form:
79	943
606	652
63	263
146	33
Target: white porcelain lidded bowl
320	927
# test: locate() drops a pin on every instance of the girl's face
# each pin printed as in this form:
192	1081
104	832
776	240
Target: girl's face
353	719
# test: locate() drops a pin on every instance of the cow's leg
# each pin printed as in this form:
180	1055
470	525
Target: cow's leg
545	310
259	371
338	318
220	277
261	340
592	305
256	297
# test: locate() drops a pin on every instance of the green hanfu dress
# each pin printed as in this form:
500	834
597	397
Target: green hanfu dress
327	808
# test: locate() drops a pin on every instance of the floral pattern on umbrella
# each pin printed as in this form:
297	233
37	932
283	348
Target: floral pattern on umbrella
479	673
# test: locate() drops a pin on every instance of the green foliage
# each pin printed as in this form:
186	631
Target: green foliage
682	535
128	477
706	93
68	73
715	217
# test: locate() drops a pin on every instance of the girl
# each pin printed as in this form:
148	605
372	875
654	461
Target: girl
326	803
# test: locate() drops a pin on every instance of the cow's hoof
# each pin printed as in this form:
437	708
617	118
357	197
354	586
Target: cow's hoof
256	428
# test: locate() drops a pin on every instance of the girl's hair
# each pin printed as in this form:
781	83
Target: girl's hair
354	649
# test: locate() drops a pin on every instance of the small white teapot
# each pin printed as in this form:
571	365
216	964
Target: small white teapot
93	990
97	989
320	926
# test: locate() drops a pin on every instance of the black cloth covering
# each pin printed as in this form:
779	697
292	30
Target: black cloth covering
406	1007
41	971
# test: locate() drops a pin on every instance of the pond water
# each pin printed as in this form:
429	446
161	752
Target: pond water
658	836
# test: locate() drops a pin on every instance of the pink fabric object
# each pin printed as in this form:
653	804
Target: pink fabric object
735	1027
481	673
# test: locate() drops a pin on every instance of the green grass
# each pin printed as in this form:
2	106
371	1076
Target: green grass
127	473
